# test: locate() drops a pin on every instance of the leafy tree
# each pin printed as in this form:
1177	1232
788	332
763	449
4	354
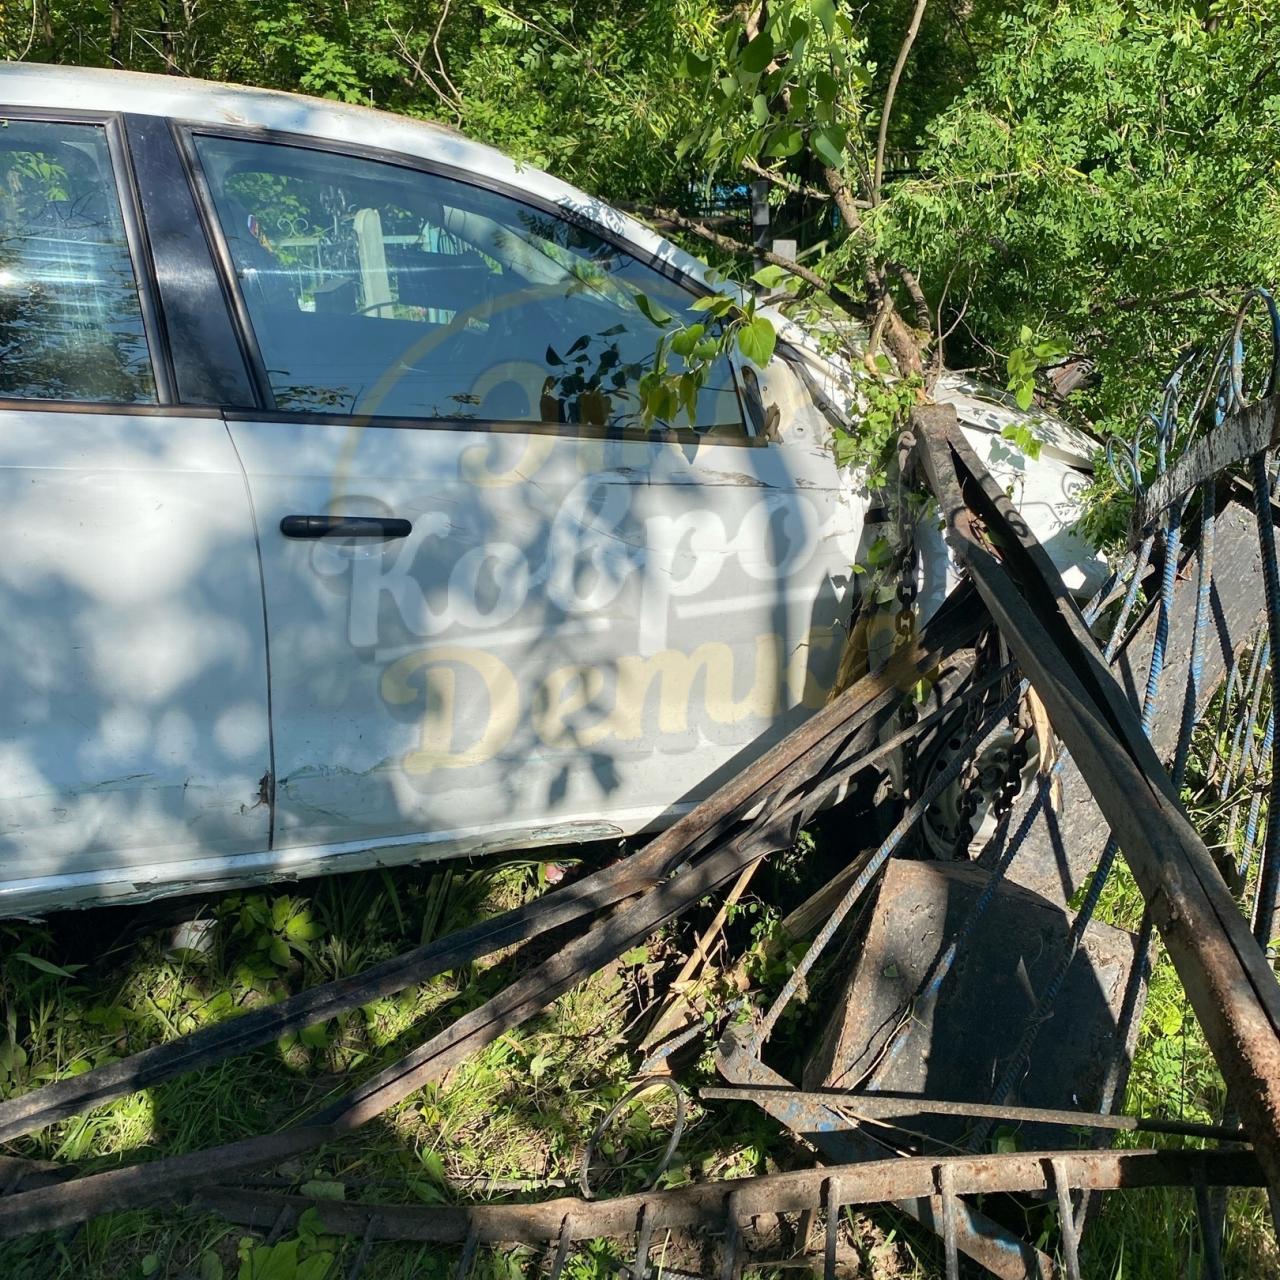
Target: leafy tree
1107	178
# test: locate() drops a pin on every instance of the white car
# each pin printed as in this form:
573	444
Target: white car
331	534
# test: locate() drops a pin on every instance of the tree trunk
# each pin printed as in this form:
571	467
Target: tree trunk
117	23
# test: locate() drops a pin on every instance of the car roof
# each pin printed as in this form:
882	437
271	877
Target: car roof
95	89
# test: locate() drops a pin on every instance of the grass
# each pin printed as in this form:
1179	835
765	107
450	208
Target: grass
513	1119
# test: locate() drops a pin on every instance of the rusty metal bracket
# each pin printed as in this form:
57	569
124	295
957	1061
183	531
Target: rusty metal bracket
1237	438
839	1138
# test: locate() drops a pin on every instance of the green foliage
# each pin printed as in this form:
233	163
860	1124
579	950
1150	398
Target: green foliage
687	353
1023	362
286	1260
1024	437
881	408
277	932
1106	175
796	84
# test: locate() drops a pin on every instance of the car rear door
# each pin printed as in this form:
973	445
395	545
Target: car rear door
500	609
134	735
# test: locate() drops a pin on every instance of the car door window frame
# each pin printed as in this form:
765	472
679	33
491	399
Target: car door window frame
153	328
187	131
211	367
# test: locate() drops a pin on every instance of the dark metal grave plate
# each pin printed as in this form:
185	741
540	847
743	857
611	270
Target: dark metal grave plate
958	1048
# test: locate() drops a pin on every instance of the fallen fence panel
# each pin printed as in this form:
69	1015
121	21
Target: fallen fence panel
1055	863
707	1204
1225	972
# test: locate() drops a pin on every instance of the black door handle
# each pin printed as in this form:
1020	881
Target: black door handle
345	527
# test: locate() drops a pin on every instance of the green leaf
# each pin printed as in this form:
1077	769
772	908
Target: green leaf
729	41
1024	395
758	54
433	1167
825	12
13	1057
315	1036
1022	435
279	952
270	1262
760	109
303	929
324	1189
1049	349
770	276
652	311
715	304
1005	1140
826	86
784	141
683	343
879	552
692	67
310	1227
756	341
150	1264
427	1192
47	966
662	401
210	1267
828	144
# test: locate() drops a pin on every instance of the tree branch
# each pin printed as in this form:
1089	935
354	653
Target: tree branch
905	347
728	244
877	176
788	184
924	318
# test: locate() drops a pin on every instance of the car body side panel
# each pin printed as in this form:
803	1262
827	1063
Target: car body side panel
132	653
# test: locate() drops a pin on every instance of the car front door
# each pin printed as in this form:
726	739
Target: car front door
133	696
500	608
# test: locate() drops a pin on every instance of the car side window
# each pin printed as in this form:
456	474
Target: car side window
70	319
378	289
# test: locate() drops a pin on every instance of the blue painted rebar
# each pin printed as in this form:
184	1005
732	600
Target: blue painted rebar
1269	870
